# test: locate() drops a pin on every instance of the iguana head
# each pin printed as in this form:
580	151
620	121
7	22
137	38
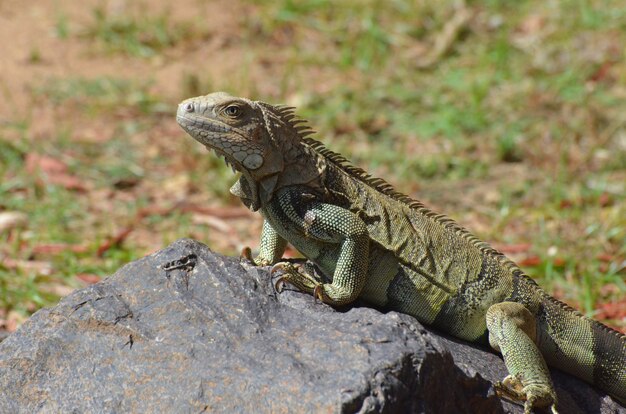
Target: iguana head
262	141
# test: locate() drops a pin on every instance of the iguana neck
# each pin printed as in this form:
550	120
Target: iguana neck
306	169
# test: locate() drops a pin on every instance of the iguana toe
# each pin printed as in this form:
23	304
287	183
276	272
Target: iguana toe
296	276
511	387
539	396
279	284
246	254
533	395
280	267
318	292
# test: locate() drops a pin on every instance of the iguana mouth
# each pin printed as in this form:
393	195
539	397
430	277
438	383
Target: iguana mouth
190	122
220	154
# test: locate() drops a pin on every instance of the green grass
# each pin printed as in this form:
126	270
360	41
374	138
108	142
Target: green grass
517	131
103	94
137	35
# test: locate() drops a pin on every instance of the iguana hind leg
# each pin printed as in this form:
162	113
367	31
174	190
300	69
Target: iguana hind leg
512	332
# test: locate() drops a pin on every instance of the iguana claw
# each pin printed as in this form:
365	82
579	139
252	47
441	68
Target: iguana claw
280	282
279	285
278	267
318	293
300	279
246	254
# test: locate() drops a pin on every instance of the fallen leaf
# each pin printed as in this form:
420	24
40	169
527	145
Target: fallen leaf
12	219
68	181
513	248
56	248
445	39
44	163
212	221
611	310
176	185
126	183
530	261
532	24
154	211
57	289
40	267
602	73
55	171
114	241
610	289
88	278
605	200
14	320
221	212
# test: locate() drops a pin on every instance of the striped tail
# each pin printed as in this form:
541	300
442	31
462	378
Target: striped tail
583	347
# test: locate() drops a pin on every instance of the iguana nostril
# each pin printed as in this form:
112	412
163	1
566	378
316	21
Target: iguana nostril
189	107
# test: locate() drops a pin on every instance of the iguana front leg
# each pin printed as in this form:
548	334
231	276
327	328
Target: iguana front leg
512	332
271	247
331	234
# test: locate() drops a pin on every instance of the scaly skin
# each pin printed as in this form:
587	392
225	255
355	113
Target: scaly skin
370	242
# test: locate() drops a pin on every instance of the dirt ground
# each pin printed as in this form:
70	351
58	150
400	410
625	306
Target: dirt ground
77	56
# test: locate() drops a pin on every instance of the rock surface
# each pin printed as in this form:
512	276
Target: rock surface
211	335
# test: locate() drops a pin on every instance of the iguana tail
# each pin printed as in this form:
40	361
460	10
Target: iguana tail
582	347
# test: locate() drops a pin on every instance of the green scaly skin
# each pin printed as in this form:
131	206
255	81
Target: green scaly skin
373	243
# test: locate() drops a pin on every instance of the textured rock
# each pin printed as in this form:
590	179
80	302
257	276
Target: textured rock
210	334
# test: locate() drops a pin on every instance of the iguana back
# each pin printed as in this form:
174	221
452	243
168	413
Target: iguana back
450	278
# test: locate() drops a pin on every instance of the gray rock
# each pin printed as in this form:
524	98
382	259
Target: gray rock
210	334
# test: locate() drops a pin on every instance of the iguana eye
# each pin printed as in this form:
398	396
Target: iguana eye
232	110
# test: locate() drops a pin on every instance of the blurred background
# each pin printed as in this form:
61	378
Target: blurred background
509	116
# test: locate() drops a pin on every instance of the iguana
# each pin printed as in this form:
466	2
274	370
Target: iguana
370	242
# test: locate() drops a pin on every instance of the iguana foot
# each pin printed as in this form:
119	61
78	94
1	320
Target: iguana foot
246	254
297	276
511	388
533	395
